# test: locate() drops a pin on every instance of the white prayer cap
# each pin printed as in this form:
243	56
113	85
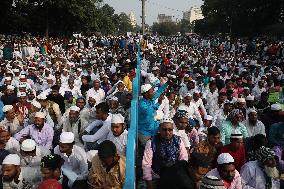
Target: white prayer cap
251	110
79	69
75	108
22	85
249	97
21	94
225	158
8	78
22	76
36	104
7	108
241	100
114	98
10	87
155	68
67	137
128	60
236	134
167	120
117	118
145	88
28	145
12	159
188	94
196	91
40	115
42	96
16	70
275	107
246	88
208	117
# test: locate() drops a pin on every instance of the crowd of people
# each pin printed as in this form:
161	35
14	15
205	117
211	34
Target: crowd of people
209	114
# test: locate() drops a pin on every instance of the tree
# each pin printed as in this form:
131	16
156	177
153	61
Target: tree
165	28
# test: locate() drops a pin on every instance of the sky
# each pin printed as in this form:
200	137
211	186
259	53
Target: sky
153	8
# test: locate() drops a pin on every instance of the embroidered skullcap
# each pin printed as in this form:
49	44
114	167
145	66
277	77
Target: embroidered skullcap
264	153
225	158
251	110
211	182
7	108
145	88
233	113
167	120
75	108
40	115
181	114
249	97
117	118
10	87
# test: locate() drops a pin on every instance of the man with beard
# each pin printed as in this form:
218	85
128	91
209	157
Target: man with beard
161	152
227	172
39	131
253	125
57	98
11	122
262	173
11	144
13	176
72	123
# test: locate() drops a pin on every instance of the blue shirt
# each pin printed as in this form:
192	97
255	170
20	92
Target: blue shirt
1	110
146	113
228	128
276	134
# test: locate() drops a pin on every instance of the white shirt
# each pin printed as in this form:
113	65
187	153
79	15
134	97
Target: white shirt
76	92
199	104
219	118
192	111
76	162
12	145
165	107
99	93
256	92
253	177
101	134
183	136
119	141
34	161
253	130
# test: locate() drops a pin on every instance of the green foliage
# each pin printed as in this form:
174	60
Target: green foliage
238	17
171	28
60	17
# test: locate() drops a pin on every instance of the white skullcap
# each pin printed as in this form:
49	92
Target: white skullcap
167	120
155	68
114	98
251	110
241	100
16	70
236	134
12	159
75	108
21	94
40	115
42	96
275	107
145	88
22	85
10	87
188	94
117	118
208	117
67	137
36	104
246	88
249	97
128	60
196	91
79	69
28	145
22	76
225	158
8	78
7	108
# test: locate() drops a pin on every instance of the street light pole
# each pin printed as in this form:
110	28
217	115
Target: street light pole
143	16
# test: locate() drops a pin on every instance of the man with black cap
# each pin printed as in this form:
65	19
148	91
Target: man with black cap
108	168
185	175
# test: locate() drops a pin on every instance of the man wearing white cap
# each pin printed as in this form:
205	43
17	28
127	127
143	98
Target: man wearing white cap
118	134
15	177
253	125
147	107
227	172
11	122
39	131
117	108
96	90
11	144
156	158
76	92
9	97
31	154
75	158
72	123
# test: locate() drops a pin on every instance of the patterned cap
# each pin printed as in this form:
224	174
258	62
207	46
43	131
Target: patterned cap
264	153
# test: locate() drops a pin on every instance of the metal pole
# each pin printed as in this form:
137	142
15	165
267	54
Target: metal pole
143	17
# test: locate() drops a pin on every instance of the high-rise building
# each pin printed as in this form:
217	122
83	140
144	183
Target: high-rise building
132	19
164	18
186	15
195	14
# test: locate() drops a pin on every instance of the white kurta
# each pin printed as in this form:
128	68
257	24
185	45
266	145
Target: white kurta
119	141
